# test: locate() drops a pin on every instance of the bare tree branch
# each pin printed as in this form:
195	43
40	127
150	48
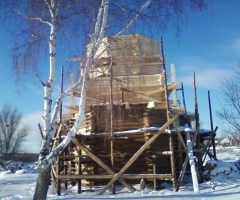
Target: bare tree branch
230	107
33	18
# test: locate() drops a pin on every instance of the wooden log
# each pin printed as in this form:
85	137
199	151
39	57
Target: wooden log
97	160
161	130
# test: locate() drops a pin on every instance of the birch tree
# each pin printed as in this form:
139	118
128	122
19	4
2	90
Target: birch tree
51	21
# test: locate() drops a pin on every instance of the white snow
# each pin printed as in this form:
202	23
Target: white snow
224	184
225	141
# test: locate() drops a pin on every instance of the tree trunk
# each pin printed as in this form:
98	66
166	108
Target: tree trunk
43	182
46	154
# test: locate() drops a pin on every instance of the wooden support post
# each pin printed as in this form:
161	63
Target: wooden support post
207	146
182	173
58	181
173	168
138	153
111	124
192	163
174	92
183	98
79	172
154	180
97	160
61	91
211	123
165	80
55	143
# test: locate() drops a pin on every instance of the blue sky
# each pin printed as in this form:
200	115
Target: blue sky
209	44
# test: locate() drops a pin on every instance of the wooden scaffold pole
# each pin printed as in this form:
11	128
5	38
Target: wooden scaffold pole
111	121
171	146
197	135
211	123
184	166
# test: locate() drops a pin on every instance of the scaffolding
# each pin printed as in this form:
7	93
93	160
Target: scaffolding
132	130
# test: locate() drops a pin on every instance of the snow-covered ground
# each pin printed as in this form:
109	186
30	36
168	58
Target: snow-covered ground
224	184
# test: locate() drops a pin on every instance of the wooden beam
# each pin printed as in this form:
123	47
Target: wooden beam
180	137
140	95
138	153
125	176
172	159
97	160
57	137
207	146
182	173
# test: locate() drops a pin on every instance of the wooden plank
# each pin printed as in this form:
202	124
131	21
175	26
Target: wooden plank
97	160
57	137
125	176
137	154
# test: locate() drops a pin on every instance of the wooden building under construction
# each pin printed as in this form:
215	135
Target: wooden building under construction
134	123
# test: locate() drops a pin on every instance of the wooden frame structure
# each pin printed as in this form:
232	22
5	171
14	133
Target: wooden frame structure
131	131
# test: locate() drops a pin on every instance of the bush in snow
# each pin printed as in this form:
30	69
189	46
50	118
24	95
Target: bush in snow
215	168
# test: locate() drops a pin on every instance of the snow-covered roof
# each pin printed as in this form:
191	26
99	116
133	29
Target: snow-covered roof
225	141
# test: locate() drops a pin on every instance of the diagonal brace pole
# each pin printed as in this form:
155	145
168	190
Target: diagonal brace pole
138	153
207	146
97	160
180	137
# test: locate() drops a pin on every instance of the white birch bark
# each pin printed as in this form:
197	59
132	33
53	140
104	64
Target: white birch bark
49	85
97	36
